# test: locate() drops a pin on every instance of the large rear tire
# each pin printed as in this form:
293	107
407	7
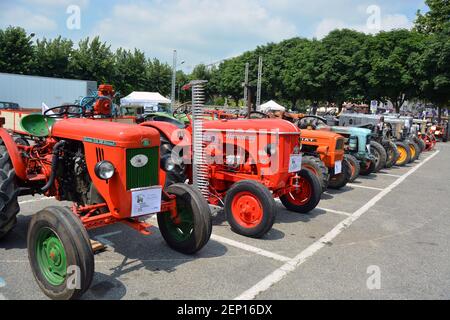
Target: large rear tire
380	155
9	204
250	209
60	253
318	168
191	229
414	149
307	197
355	167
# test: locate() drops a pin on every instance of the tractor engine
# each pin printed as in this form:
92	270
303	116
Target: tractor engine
73	181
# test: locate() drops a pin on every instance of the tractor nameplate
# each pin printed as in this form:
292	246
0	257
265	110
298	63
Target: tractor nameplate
99	141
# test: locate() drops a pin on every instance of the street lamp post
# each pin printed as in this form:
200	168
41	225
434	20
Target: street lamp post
174	79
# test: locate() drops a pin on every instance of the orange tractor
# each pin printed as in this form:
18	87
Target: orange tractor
110	172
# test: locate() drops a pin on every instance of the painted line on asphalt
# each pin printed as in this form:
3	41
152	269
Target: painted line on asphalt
389	175
363	187
249	248
102	238
36	200
279	274
342	213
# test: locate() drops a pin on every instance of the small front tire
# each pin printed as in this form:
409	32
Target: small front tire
307	197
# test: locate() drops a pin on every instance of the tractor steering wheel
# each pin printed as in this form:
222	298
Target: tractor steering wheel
313	122
185	109
68	111
257	115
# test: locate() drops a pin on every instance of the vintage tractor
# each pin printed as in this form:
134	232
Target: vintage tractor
381	135
111	172
357	143
244	168
324	155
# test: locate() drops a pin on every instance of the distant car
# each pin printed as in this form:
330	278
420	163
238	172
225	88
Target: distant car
9	106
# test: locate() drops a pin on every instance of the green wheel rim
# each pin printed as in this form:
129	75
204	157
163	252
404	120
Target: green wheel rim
182	226
51	257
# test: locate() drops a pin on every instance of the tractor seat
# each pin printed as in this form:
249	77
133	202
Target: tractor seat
37	125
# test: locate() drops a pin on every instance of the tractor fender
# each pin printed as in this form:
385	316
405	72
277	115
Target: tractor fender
14	154
169	130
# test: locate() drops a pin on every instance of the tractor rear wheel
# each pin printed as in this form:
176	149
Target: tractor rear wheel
367	168
355	167
392	154
308	195
405	154
415	150
380	154
250	209
60	253
9	204
340	180
191	229
318	168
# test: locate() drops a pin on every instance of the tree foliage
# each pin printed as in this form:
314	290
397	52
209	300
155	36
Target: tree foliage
435	19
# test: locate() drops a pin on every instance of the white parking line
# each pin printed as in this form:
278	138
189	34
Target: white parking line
363	187
36	200
389	175
303	256
342	213
249	248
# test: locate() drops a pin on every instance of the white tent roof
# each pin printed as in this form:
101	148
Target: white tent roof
143	98
270	106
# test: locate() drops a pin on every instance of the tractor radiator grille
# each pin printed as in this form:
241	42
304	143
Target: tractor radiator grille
340	144
146	176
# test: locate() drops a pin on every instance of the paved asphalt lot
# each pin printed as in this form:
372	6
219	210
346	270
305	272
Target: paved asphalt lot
390	231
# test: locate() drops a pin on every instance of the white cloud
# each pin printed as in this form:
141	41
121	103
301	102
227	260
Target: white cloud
32	22
388	22
57	3
202	30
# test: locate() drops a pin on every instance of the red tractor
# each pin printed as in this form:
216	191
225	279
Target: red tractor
246	166
111	172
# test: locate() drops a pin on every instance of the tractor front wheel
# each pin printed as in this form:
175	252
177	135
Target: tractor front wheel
367	168
380	155
392	154
307	195
355	167
405	154
191	229
250	209
340	180
9	205
60	253
414	149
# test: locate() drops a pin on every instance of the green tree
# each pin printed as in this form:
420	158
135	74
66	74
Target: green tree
435	19
434	68
393	58
159	77
16	51
130	71
93	60
52	58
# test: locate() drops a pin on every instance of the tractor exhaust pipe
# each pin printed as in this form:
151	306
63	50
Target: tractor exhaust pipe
55	159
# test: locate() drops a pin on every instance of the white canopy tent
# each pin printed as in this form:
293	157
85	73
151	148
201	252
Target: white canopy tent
148	100
270	106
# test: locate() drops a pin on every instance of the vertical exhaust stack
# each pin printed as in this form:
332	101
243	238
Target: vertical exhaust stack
199	165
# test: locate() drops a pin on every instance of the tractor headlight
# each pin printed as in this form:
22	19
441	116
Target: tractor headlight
168	164
104	170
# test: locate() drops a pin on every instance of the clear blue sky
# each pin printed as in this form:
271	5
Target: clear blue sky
203	31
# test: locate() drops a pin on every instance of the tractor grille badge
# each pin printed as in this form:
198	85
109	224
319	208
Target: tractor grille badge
139	161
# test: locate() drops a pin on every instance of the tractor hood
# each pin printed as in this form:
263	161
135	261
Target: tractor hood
108	133
282	126
320	135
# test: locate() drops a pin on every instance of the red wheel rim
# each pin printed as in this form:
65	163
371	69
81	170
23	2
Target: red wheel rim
247	210
302	195
352	168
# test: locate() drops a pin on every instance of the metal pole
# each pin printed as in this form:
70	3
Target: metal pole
247	66
258	92
174	80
